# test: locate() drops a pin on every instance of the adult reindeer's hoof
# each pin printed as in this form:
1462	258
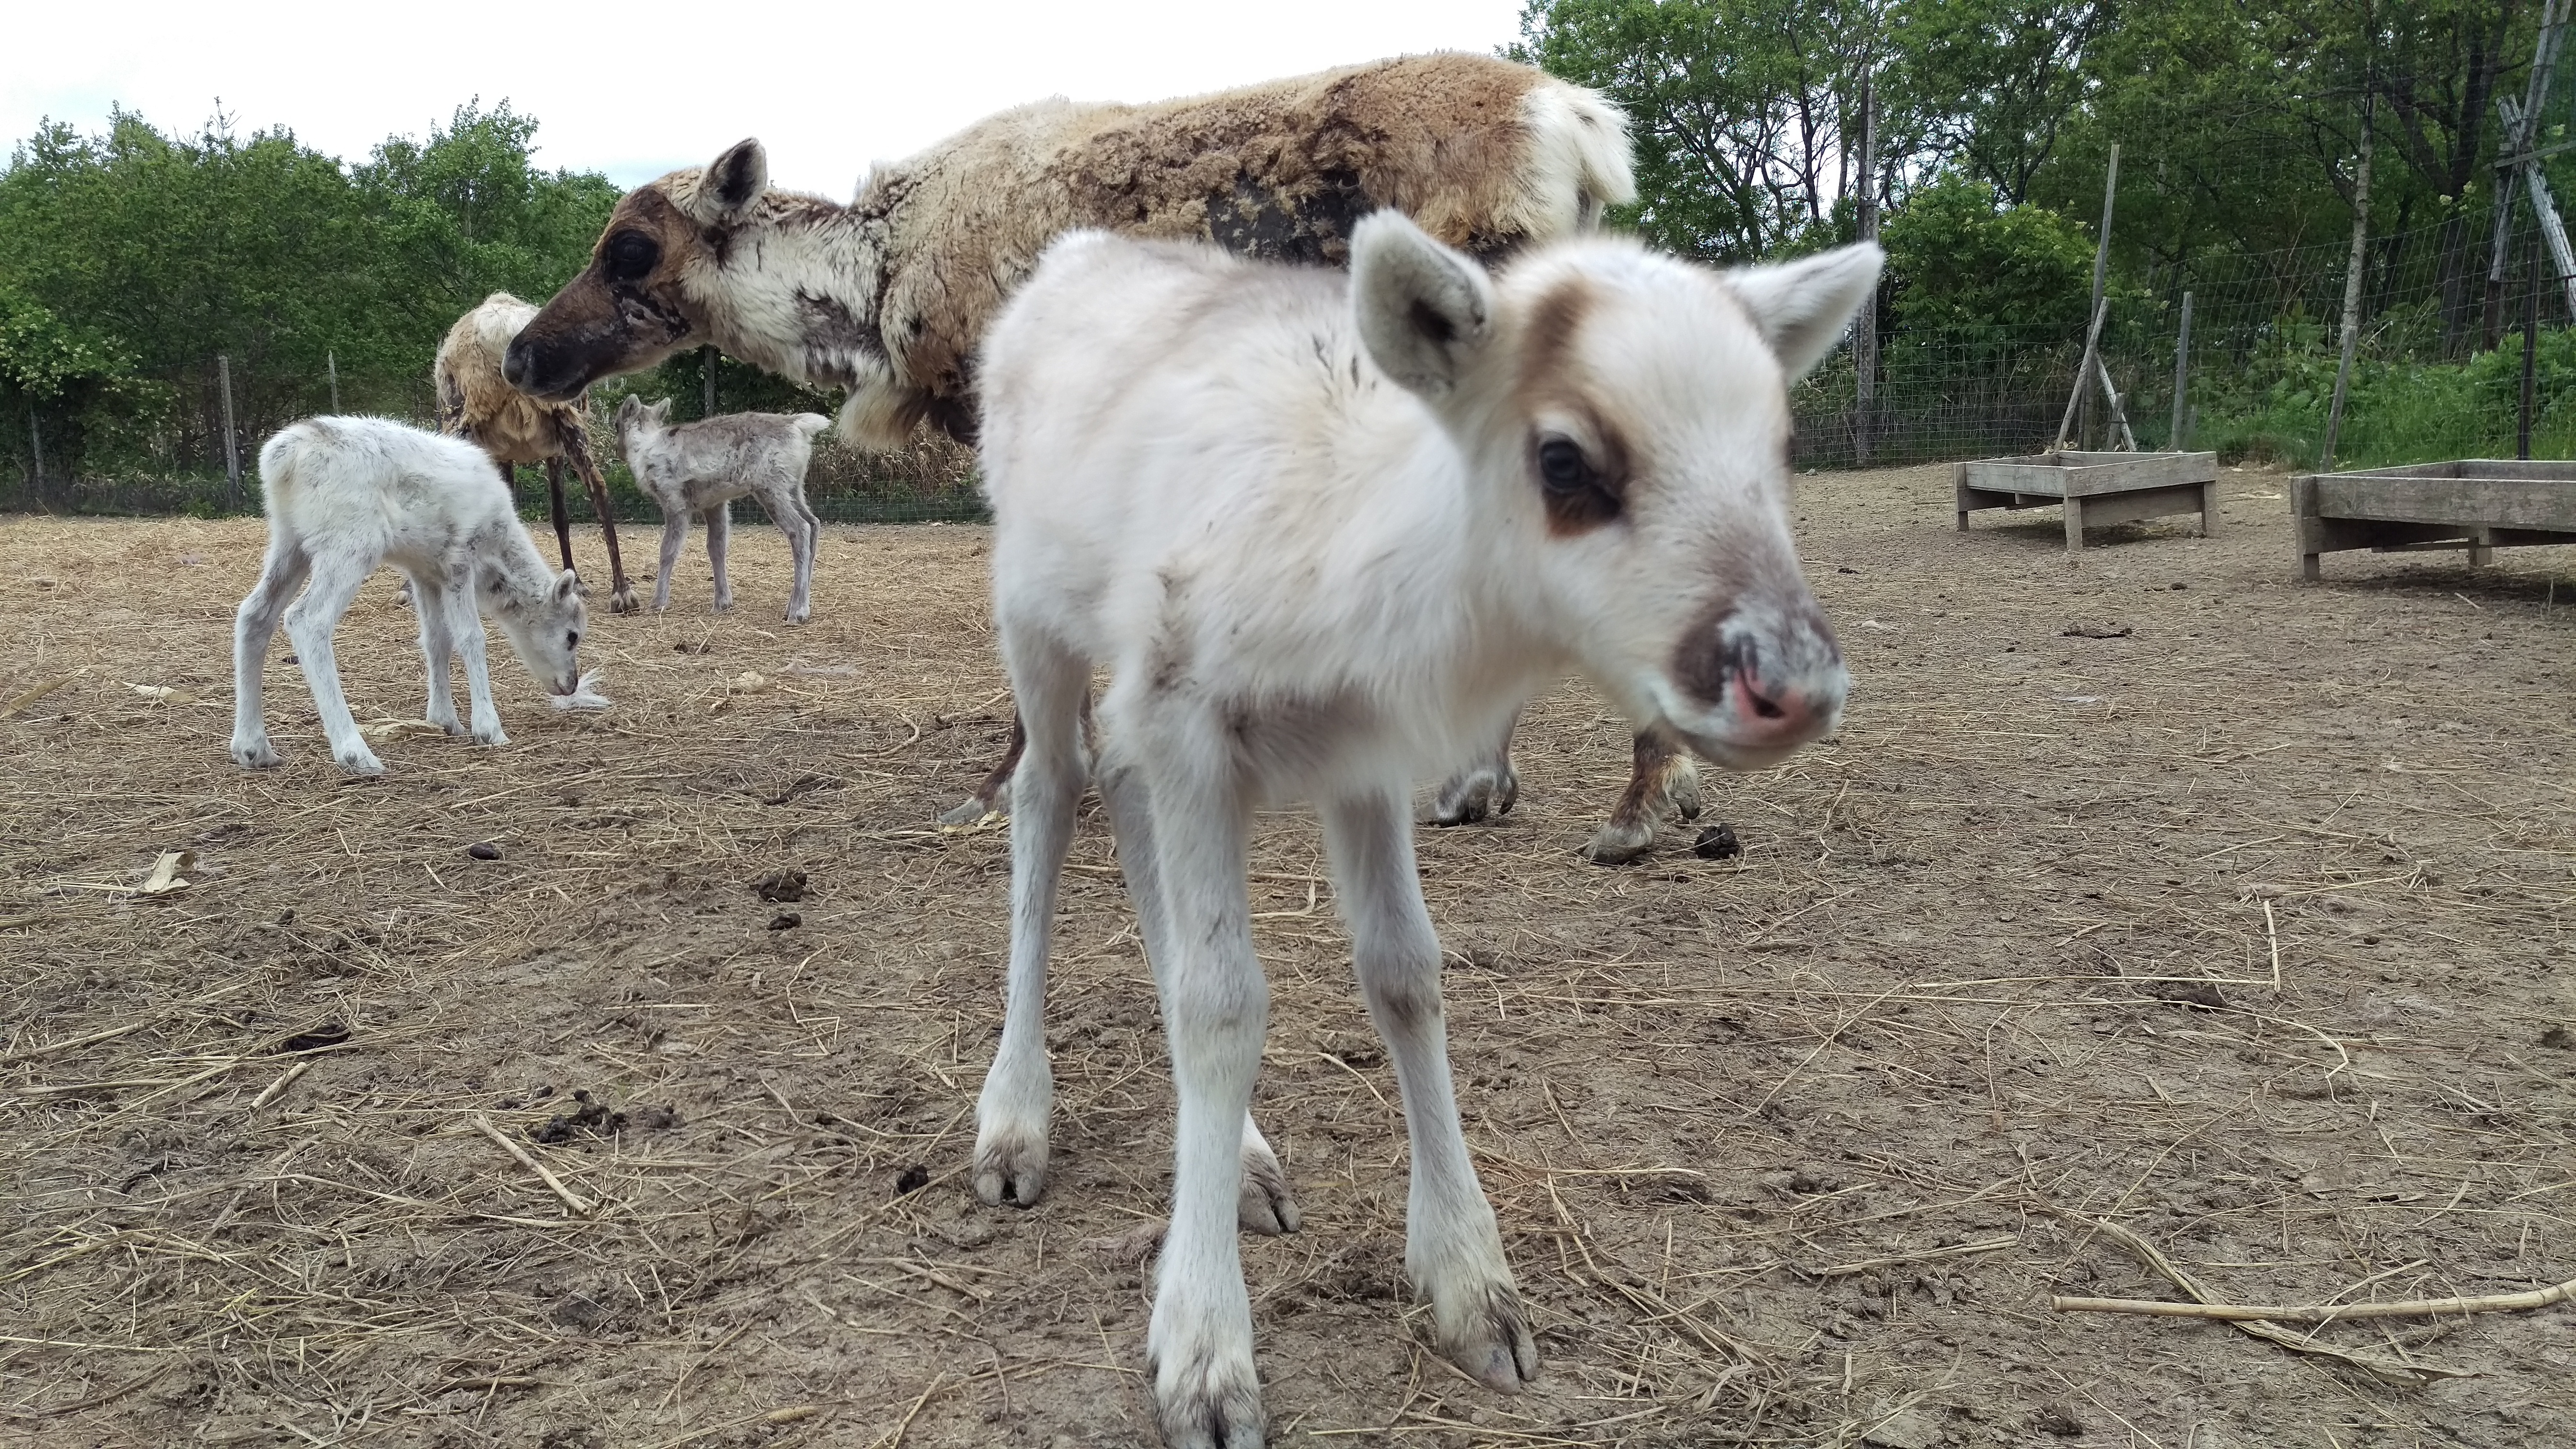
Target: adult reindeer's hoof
624	601
1010	1167
1206	1394
1481	793
1483	1331
1620	842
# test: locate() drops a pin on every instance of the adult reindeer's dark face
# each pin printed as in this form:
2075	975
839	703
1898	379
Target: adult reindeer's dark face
633	305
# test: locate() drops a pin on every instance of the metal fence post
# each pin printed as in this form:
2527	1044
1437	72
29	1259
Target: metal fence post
232	443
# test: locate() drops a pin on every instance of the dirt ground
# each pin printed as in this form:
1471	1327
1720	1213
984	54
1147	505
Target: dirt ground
2248	930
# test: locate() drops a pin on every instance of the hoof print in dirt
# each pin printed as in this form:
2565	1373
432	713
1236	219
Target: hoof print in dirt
484	850
2202	994
1717	842
781	885
590	1118
313	1039
786	921
2058	1420
911	1180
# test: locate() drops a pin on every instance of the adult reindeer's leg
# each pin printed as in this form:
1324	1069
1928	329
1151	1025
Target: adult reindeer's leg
1215	1007
988	796
1487	787
575	444
554	500
1011	1115
1661	778
1264	1205
310	622
1452	1252
254	624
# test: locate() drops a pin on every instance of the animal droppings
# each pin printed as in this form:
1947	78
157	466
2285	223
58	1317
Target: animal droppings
785	921
781	885
911	1180
484	850
1717	842
2557	1038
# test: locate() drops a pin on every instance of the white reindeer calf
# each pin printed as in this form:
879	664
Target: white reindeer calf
345	495
1328	533
698	468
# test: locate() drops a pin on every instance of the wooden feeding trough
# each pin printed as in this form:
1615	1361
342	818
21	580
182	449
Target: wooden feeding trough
2096	489
2479	504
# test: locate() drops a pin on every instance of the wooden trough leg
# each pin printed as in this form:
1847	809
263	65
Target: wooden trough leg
2209	510
2074	525
2311	567
2481	548
1959	491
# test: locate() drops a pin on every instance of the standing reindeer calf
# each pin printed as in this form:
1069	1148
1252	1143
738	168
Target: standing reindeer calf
346	495
700	468
1328	533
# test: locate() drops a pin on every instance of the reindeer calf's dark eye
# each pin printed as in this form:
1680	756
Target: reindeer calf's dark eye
1561	465
572	641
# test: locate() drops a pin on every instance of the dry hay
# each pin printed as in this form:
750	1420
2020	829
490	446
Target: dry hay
1789	1149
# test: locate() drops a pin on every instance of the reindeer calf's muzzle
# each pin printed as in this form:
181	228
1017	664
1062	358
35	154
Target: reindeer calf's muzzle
1769	680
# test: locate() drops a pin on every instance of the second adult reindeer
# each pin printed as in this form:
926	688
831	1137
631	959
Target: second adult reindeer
1328	533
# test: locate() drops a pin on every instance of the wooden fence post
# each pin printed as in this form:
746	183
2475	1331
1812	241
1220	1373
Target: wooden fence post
2351	290
232	442
2101	276
331	365
36	447
2182	377
2530	354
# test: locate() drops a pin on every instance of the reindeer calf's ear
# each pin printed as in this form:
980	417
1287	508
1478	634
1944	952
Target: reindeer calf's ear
1424	311
568	586
1803	306
739	175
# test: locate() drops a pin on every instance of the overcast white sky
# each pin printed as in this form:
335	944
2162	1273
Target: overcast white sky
637	88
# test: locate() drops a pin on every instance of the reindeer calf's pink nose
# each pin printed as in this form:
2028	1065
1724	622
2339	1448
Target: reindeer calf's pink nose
1769	708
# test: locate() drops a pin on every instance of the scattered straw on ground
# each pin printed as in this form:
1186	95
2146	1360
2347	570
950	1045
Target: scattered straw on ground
2246	928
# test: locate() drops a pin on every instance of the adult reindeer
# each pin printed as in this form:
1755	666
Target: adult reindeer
477	404
889	296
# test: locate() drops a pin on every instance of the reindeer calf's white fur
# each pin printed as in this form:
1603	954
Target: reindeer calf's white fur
698	468
345	495
1328	533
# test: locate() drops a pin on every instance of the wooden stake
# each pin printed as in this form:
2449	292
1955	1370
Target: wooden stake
2083	376
232	443
2530	355
2351	290
2174	439
1865	326
2324	1313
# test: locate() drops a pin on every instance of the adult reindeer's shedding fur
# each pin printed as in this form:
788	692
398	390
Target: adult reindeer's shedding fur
1329	533
479	405
346	495
698	469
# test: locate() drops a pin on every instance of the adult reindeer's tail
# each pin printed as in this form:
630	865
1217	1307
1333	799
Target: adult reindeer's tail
1578	162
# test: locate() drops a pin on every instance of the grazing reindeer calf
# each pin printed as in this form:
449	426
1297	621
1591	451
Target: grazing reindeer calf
699	468
1329	532
345	495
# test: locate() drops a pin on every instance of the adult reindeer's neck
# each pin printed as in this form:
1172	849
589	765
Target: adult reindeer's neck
794	288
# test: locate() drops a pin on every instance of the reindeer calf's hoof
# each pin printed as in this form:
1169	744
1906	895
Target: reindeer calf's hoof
1488	1337
1010	1168
359	761
972	812
490	735
1206	1397
1477	795
255	755
798	616
1264	1204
